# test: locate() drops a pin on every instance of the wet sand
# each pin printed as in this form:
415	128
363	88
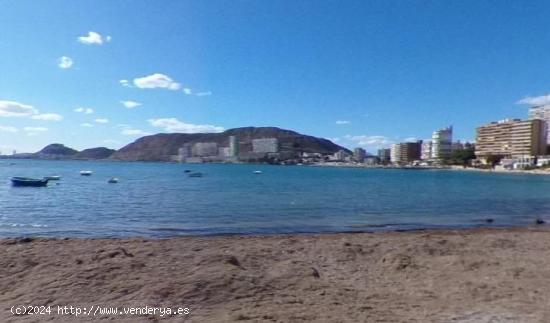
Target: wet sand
481	275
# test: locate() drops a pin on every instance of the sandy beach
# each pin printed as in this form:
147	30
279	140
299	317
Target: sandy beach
480	275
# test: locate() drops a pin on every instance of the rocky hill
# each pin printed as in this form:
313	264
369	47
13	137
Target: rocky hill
56	151
94	153
163	147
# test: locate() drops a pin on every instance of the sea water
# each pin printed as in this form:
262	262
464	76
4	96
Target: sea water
161	200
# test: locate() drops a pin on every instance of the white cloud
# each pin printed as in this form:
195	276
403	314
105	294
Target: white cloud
187	91
207	93
125	83
48	117
8	129
134	132
535	100
156	80
130	104
65	62
340	122
372	141
84	110
93	38
87	125
101	120
35	129
175	125
16	109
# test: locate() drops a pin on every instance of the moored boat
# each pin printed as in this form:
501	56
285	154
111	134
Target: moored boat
27	181
53	178
113	180
86	172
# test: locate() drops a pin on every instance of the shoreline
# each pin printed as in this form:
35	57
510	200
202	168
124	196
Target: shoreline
444	230
466	275
503	171
545	171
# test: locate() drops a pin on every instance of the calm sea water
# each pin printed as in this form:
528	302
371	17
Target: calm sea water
160	200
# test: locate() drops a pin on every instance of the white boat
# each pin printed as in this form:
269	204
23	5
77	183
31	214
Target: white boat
113	180
257	172
53	178
86	172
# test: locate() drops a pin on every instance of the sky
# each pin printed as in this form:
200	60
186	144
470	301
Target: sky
361	73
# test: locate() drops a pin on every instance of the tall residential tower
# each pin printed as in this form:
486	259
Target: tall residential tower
442	141
233	146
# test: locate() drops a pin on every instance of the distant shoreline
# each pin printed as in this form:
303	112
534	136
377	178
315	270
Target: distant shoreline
328	165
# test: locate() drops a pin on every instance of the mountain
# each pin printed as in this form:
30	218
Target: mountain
164	146
94	153
60	151
55	151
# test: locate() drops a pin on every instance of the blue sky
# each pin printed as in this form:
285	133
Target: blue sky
363	73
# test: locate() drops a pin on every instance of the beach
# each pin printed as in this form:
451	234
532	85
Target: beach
475	275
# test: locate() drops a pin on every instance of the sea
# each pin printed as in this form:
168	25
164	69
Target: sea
161	200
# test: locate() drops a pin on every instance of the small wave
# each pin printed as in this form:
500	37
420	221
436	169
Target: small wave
383	225
23	225
171	229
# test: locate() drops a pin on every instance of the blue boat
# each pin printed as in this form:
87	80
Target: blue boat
30	182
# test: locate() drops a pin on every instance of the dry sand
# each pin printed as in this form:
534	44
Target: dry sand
497	275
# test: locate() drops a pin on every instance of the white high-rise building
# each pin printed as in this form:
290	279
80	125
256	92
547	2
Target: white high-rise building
442	141
426	150
542	113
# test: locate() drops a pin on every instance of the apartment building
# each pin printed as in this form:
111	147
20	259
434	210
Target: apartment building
511	138
405	152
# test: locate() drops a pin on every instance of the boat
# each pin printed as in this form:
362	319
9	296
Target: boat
187	171
113	180
257	172
196	174
53	178
86	172
27	181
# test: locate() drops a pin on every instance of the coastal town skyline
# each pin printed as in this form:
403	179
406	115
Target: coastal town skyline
86	81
